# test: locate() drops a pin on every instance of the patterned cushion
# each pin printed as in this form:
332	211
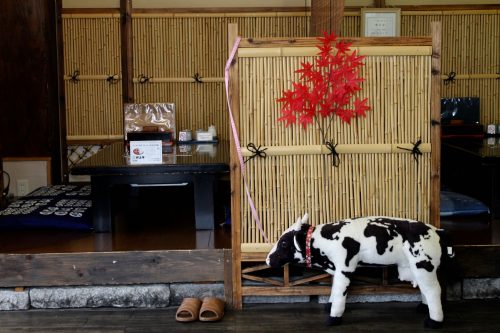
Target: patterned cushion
456	204
56	206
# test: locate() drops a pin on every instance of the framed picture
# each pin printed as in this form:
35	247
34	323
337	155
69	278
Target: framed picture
380	22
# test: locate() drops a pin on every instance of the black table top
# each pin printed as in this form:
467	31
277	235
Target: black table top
192	158
487	149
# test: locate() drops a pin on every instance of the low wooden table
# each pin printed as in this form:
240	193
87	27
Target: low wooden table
196	164
471	167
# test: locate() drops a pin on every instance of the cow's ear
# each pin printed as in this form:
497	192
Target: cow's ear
297	225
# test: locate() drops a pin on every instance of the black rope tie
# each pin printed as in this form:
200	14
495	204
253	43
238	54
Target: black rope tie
415	151
143	79
112	79
333	152
197	78
74	77
256	151
450	78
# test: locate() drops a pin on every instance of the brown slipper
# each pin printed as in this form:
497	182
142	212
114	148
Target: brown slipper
212	309
188	310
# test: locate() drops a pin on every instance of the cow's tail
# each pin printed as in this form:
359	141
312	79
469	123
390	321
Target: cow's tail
450	271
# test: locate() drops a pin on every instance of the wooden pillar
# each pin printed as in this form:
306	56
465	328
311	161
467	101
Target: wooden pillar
435	123
235	174
326	15
127	51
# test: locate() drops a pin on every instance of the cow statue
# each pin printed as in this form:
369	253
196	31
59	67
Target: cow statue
338	248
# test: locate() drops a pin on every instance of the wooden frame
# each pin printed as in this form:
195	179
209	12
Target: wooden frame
380	22
248	256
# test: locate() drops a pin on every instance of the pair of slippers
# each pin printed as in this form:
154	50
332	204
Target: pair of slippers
192	309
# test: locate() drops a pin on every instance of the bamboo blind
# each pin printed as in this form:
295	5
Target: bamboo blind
170	49
471	49
372	182
92	49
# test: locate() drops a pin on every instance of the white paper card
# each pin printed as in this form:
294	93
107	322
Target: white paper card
145	152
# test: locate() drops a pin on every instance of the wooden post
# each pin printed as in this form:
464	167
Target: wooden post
326	15
127	51
234	165
62	160
436	124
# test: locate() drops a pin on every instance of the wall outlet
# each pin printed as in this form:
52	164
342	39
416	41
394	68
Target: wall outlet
22	187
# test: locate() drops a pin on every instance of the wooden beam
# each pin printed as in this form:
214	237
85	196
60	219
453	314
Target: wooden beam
111	268
326	16
478	261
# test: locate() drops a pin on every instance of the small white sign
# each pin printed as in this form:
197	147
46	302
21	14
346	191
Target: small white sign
380	22
145	152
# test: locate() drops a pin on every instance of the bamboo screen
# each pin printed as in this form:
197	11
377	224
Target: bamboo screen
171	48
92	69
471	49
170	51
375	176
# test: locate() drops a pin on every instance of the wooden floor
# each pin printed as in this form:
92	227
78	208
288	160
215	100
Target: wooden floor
144	220
465	316
163	219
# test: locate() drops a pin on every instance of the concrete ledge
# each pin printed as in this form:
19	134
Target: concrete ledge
275	299
376	298
101	296
481	288
163	295
198	290
14	300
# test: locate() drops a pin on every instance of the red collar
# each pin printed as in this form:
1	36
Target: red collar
308	246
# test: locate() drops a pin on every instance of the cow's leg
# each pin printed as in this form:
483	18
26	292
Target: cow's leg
431	291
338	297
422	307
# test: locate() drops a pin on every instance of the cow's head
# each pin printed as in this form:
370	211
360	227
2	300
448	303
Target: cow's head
286	249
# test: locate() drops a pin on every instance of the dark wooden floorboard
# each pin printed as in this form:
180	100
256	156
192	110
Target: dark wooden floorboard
465	316
163	219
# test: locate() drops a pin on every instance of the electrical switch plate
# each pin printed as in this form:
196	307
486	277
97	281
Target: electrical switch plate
22	187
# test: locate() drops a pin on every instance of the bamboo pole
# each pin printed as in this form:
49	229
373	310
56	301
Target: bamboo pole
472	76
312	51
177	79
340	148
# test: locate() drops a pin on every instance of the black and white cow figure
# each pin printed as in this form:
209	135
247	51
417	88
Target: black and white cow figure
338	247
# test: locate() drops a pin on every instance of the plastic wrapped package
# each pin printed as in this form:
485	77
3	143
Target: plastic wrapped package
150	117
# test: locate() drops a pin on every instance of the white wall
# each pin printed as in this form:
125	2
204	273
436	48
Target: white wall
35	172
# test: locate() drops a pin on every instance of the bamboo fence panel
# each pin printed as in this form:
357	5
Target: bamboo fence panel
171	48
471	49
285	184
92	48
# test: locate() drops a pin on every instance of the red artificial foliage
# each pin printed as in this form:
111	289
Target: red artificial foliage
326	87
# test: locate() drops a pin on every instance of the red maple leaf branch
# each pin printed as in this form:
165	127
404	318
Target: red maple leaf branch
327	86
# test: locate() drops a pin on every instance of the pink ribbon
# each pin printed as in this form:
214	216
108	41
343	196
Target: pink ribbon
255	215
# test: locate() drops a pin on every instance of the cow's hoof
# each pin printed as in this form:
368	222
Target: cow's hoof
422	308
429	323
328	307
333	321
